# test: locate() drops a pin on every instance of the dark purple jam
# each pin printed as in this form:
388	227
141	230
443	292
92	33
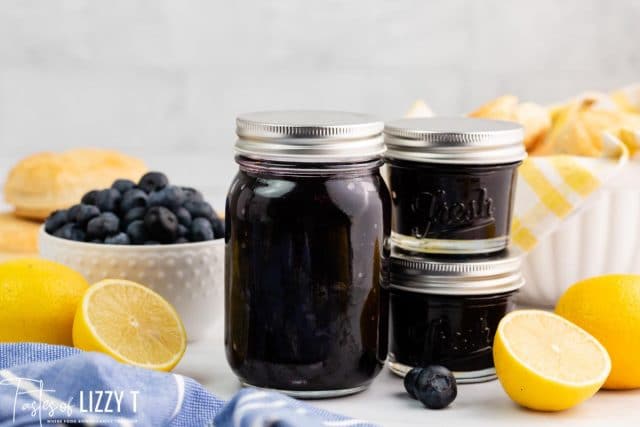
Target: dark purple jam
304	248
452	202
454	331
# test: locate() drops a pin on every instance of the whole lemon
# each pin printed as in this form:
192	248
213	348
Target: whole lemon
608	307
38	300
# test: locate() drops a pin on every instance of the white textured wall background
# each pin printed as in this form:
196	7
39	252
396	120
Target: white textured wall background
159	77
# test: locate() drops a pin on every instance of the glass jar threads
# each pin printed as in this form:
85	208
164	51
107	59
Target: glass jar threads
446	312
307	217
452	183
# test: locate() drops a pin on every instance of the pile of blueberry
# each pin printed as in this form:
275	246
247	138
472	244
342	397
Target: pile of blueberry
434	386
150	212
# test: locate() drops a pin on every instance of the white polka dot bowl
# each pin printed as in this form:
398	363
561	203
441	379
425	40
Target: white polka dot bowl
190	275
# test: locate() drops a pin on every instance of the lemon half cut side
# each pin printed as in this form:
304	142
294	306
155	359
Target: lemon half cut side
131	323
546	363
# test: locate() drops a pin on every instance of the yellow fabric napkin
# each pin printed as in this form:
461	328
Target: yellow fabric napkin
550	188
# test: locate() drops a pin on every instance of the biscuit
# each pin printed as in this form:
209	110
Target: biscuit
628	98
534	118
578	128
18	237
44	182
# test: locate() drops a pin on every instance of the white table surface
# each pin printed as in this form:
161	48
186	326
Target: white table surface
385	402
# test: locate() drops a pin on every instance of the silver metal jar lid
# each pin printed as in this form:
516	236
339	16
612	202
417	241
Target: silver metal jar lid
455	140
493	274
309	136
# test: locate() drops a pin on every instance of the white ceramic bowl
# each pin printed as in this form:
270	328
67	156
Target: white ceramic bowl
601	238
190	276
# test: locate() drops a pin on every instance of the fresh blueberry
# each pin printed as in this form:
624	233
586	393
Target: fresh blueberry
108	200
410	381
182	230
118	239
90	198
200	209
56	220
82	214
182	240
218	227
134	198
106	224
192	195
170	197
201	230
436	387
133	214
161	224
153	181
123	185
183	215
70	231
72	213
137	232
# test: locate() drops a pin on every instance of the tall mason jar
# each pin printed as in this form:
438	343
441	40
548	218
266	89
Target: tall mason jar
307	217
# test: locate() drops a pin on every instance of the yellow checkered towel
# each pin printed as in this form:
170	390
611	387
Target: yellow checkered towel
550	188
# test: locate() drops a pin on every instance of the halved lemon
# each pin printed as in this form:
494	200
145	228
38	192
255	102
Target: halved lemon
131	323
547	363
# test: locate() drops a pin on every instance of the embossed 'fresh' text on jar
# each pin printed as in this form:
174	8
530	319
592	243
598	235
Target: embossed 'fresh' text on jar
307	216
452	183
446	312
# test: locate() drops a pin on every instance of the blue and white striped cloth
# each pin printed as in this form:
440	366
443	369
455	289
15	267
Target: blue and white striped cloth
42	384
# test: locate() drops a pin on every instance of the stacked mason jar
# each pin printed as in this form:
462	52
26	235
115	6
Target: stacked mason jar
451	276
326	269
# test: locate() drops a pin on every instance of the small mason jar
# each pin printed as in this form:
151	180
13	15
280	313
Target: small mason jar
444	312
307	218
452	183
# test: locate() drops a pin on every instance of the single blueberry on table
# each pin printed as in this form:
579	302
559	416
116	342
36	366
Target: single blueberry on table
153	181
134	198
170	197
410	381
183	215
119	239
90	198
106	224
123	185
137	232
161	224
201	230
56	220
436	387
133	214
70	231
108	200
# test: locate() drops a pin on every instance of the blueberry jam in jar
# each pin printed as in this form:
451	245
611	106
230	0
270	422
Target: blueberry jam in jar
307	219
452	182
445	312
